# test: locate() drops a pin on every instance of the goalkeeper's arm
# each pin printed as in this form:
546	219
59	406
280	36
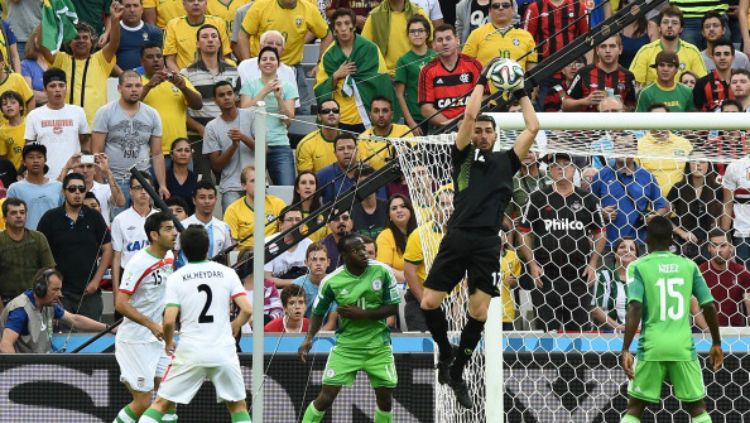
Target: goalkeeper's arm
526	139
473	106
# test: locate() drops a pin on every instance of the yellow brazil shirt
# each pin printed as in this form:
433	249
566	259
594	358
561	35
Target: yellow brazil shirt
95	92
225	11
315	152
487	42
166	10
12	142
2	219
387	251
241	219
510	265
171	104
293	23
398	42
320	233
414	253
179	38
670	156
367	148
15	82
689	55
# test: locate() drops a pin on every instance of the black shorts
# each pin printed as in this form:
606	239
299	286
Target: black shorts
470	253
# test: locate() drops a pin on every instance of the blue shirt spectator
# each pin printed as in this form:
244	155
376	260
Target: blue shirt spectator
39	198
31	69
311	291
131	41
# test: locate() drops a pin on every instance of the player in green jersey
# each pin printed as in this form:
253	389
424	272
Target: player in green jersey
660	286
366	294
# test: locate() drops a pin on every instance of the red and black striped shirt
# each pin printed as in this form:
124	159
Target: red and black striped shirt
591	78
543	20
710	91
448	89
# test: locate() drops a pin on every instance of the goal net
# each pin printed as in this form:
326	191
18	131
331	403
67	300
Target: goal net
559	360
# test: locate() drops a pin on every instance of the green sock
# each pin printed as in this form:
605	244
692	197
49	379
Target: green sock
170	415
240	416
151	416
383	416
312	415
126	415
630	419
703	418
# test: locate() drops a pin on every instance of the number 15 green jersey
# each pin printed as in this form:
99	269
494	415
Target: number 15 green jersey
664	284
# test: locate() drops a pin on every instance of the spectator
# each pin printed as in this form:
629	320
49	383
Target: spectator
562	245
305	194
728	280
341	176
23	16
181	181
528	179
371	150
9	46
94	14
695	18
713	31
391	242
11	133
15	82
442	102
135	34
178	207
371	214
337	228
315	151
421	193
34	65
62	128
39	192
499	36
294	320
609	299
663	153
219	234
240	215
229	142
740	84
158	12
249	69
713	88
272	307
169	93
8	176
295	19
470	15
371	248
606	144
87	71
128	233
90	201
316	260
279	97
433	9
510	266
109	194
289	265
181	35
419	32
634	36
352	64
587	176
697	204
728	145
387	19
236	26
671	23
129	133
558	92
677	97
32	313
429	233
226	11
77	236
22	251
736	214
629	196
689	79
603	79
361	9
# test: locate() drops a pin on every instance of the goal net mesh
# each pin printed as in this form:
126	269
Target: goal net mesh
560	359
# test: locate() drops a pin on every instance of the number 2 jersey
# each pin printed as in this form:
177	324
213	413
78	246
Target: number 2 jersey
664	283
144	280
203	292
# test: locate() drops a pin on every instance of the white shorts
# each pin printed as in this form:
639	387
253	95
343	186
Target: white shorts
182	380
140	363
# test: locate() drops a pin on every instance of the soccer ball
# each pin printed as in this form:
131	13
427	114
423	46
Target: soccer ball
505	74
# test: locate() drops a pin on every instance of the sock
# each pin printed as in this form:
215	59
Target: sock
438	327
151	416
170	415
312	415
629	419
470	337
126	415
383	416
240	416
703	418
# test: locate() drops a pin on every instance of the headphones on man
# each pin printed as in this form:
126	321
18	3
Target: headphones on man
41	284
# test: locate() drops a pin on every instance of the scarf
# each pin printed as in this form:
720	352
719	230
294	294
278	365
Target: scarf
381	22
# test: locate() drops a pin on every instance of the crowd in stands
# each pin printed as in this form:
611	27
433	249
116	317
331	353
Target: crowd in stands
189	73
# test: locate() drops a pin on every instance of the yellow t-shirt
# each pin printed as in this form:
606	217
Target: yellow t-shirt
367	148
241	219
414	252
510	265
315	152
166	10
689	55
320	233
487	42
2	219
12	142
398	42
387	251
171	104
666	171
225	11
292	23
179	38
15	82
95	92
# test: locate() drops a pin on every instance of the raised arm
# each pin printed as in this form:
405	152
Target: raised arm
463	138
526	139
115	14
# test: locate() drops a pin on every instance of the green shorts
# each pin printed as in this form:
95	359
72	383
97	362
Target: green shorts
378	363
686	378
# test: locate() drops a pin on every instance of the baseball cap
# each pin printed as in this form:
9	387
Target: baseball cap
666	57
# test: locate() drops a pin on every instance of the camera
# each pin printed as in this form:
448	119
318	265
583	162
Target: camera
170	76
87	159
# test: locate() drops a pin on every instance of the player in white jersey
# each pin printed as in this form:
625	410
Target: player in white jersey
139	348
201	292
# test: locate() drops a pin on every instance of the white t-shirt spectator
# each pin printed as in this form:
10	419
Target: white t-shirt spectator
215	138
288	259
431	7
128	234
249	70
736	180
103	193
58	130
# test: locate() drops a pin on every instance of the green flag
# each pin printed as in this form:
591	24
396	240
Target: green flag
59	21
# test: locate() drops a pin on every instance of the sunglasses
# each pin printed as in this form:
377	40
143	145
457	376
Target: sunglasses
73	188
329	111
501	5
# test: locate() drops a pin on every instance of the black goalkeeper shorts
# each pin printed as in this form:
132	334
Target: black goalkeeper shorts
471	253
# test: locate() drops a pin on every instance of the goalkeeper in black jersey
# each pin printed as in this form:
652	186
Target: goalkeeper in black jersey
483	181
